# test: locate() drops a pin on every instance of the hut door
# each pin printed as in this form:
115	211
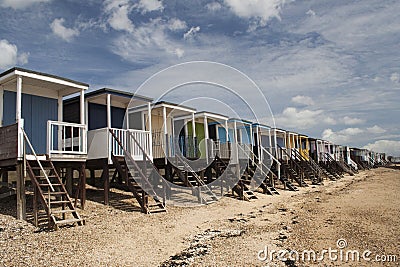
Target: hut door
36	111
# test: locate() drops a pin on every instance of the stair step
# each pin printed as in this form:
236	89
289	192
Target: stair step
59	202
49	185
62	211
69	221
55	193
157	210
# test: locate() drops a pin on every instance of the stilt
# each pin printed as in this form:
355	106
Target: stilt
35	206
106	177
21	198
69	180
82	177
168	177
4	176
92	177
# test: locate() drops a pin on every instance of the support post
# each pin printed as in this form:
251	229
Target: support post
106	177
109	111
4	176
1	105
82	176
35	206
165	133
19	99
150	130
82	106
21	198
69	180
206	136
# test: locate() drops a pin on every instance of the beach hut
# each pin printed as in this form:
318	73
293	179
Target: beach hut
33	132
112	133
268	165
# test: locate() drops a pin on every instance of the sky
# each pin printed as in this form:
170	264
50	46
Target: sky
329	69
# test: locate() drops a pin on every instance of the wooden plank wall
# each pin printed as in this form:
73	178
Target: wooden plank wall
9	142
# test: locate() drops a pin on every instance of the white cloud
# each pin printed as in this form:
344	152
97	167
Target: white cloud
176	24
150	5
23	58
390	147
118	12
63	32
20	4
342	136
179	52
311	12
134	46
260	10
303	100
9	55
300	119
395	77
191	33
376	129
214	6
329	120
351	121
352	135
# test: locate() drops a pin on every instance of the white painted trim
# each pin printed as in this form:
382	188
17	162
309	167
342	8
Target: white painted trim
226	131
87	113
82	107
150	130
143	121
50	79
1	105
193	126
164	113
18	111
60	108
206	135
5	77
108	110
251	136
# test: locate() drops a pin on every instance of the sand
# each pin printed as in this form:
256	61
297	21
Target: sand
363	210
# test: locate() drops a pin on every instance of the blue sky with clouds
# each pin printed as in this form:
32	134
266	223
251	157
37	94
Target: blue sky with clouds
329	69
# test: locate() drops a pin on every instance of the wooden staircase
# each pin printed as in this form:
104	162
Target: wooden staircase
193	180
137	178
311	169
147	203
51	193
288	169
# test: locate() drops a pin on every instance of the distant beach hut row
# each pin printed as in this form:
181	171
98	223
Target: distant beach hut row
59	138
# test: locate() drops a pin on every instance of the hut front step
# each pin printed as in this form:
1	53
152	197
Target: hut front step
52	194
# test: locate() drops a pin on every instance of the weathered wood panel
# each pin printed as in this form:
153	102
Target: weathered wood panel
9	142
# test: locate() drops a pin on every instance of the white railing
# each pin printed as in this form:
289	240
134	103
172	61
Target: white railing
142	137
244	150
352	163
65	138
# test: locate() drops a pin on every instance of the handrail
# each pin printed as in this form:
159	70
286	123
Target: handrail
274	159
196	176
141	149
127	154
331	159
66	144
260	162
67	123
290	157
316	168
37	159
